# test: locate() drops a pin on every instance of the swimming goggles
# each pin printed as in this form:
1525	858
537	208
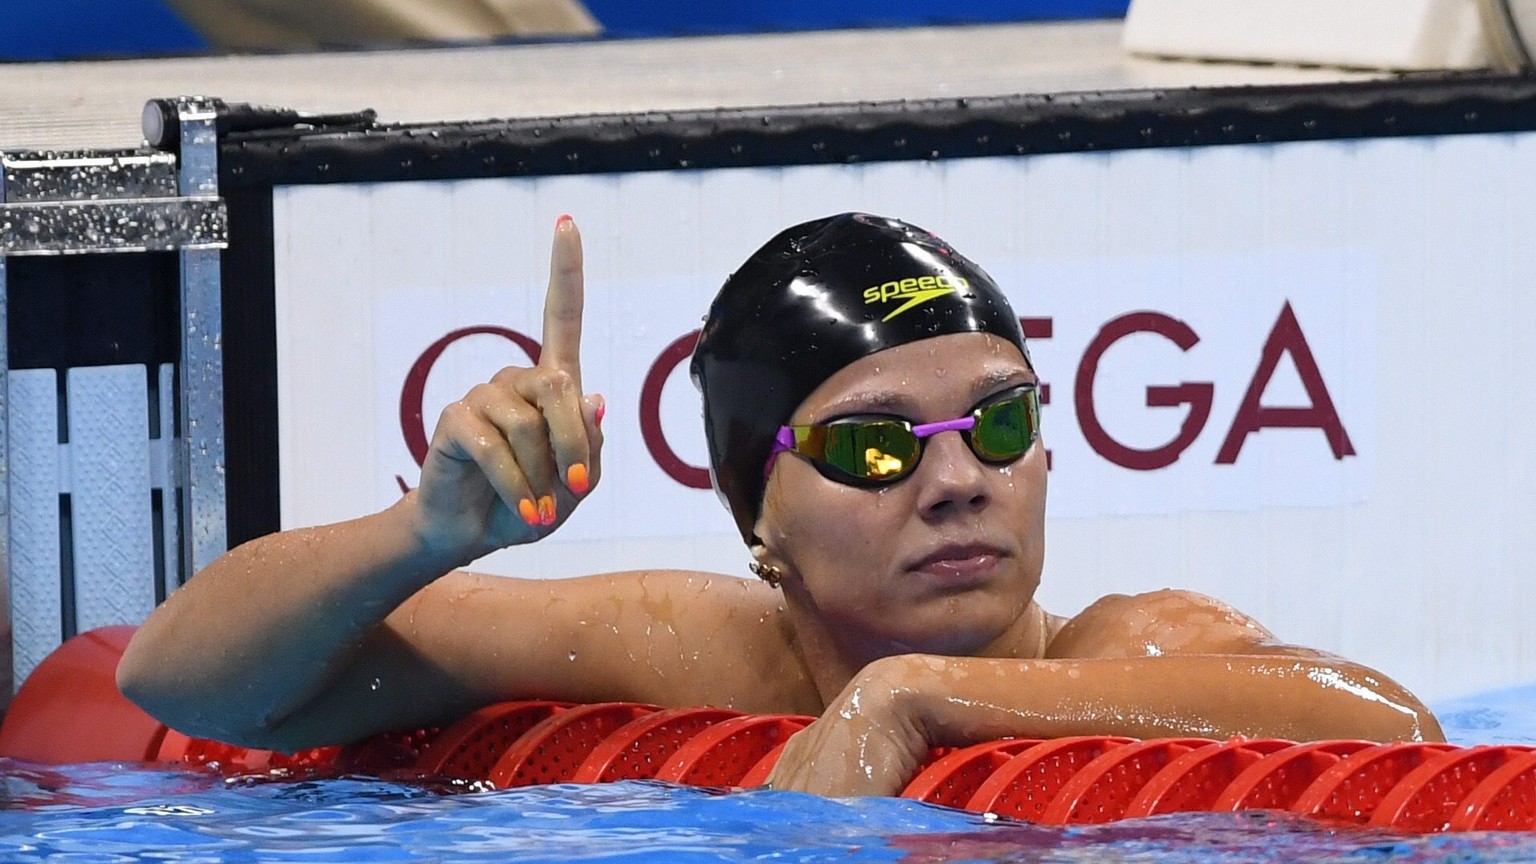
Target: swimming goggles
884	450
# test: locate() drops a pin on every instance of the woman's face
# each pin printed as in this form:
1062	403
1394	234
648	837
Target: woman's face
943	561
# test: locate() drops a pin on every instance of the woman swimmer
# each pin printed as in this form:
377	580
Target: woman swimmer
899	562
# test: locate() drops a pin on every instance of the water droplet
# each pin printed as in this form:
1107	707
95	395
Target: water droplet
374	684
571	656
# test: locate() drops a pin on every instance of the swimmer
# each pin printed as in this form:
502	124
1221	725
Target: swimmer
872	417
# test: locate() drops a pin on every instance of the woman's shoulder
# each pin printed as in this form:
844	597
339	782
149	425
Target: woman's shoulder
1166	621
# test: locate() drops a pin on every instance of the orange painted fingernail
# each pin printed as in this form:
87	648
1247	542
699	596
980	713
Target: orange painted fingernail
527	510
547	510
576	479
597	416
563	221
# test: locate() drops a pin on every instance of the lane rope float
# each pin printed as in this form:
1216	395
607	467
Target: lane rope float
70	710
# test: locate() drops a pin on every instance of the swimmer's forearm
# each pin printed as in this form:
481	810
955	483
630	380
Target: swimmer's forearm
873	737
264	629
958	701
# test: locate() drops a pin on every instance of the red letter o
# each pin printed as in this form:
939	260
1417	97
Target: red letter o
412	425
650	415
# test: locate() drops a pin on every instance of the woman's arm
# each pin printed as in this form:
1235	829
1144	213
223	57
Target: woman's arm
286	666
268	627
288	619
1166	664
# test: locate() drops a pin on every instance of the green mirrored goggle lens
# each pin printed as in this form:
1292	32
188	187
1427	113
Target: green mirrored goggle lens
879	451
875	450
1004	430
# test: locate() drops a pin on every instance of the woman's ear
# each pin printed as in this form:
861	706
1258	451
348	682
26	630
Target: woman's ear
764	564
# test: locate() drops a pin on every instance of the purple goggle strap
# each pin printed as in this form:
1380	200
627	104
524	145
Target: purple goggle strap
785	440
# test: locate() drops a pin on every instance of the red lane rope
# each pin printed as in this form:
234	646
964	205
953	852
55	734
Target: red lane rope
952	779
472	746
726	752
639	748
69	710
1277	780
1195	781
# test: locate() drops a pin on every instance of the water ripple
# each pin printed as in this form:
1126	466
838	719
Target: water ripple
116	813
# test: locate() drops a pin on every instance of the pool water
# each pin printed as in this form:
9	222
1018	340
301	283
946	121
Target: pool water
1498	717
110	813
102	813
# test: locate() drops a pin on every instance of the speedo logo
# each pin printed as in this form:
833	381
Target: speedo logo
914	291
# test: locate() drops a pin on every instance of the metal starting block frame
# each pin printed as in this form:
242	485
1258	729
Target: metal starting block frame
112	477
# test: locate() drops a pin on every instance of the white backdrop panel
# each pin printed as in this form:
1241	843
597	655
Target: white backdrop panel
1385	280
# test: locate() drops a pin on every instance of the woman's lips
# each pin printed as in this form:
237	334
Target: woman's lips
959	563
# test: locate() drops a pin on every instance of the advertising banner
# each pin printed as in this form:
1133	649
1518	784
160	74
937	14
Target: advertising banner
1272	373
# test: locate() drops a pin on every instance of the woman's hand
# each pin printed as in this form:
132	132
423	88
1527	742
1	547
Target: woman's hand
869	741
510	461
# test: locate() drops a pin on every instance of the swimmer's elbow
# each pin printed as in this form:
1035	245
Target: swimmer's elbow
1391	712
143	684
140	679
1425	726
1411	719
148	681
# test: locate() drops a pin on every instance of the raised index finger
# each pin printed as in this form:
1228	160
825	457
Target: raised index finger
562	305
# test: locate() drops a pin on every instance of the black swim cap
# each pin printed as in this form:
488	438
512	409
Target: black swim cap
812	300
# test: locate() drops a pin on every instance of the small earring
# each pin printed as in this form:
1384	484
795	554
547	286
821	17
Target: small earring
768	573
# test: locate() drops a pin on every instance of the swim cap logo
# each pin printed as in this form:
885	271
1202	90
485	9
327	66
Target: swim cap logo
914	290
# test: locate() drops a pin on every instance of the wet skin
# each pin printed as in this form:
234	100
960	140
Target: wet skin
943	561
906	618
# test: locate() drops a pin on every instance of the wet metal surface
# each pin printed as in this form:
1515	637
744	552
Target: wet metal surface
5	427
133	225
5	434
84	177
202	408
205	526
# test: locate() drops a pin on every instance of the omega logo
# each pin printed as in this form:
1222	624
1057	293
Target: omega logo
1285	338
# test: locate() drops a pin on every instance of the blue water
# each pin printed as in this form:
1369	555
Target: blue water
1499	717
103	813
111	813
